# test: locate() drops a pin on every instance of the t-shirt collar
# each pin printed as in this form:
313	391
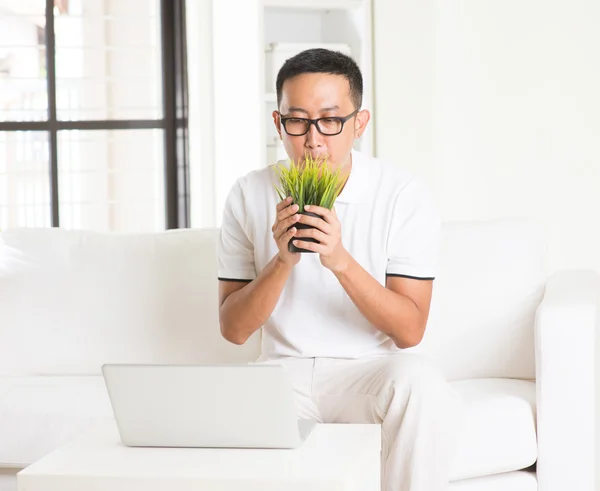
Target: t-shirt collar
357	189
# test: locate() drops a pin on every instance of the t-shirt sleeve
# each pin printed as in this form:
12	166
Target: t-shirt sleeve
235	251
415	232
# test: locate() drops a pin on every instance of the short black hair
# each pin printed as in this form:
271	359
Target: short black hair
319	60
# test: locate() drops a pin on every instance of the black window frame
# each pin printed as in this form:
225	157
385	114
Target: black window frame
174	122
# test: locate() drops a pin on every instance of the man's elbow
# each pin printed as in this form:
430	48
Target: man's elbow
233	335
410	339
406	343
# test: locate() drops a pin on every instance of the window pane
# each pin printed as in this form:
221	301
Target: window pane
111	180
24	180
23	91
108	60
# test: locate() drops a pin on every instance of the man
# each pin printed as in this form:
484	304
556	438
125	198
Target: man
340	318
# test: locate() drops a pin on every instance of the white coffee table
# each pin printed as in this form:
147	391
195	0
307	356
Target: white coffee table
334	457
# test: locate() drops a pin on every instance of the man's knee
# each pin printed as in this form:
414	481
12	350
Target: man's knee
416	373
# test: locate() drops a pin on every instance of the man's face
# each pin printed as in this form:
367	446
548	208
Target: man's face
319	95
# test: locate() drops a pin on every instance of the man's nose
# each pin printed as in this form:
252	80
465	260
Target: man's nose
314	139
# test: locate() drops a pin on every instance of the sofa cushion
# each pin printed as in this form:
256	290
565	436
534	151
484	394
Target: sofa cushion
510	481
499	431
71	301
38	414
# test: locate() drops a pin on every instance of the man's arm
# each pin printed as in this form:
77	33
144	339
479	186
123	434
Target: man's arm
245	306
400	309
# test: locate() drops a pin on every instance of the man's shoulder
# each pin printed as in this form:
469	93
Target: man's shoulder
254	196
261	176
257	181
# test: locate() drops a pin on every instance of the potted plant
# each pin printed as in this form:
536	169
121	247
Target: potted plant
309	182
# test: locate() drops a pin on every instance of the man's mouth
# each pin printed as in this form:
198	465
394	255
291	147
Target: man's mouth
317	155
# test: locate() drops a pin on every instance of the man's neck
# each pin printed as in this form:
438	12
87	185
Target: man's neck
346	169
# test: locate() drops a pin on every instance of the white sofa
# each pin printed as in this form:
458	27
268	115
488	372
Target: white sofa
517	345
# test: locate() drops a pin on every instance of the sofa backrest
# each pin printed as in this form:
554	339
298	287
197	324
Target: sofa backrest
489	283
71	301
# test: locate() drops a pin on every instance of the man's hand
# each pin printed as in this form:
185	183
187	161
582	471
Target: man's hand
328	231
286	218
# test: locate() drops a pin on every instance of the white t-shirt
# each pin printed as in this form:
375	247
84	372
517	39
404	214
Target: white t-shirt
390	225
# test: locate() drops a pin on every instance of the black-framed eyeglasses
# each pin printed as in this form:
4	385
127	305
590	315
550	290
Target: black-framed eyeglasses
328	126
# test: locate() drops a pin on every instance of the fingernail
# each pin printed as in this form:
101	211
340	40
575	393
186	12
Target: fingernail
288	199
307	207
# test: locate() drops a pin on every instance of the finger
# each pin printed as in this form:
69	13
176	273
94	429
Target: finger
287	235
282	204
316	222
310	246
284	225
323	212
286	212
313	233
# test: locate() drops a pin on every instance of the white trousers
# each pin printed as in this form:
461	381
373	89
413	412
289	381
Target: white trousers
418	411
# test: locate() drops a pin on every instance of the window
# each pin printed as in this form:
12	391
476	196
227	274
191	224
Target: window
93	114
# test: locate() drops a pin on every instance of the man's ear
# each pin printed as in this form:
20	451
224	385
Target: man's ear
360	122
277	122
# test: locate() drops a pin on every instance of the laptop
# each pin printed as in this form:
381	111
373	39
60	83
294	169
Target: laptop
227	406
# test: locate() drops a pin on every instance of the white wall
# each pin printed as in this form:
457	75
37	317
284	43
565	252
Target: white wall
237	45
496	104
201	112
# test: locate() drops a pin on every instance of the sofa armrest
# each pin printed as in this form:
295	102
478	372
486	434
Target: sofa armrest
565	343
